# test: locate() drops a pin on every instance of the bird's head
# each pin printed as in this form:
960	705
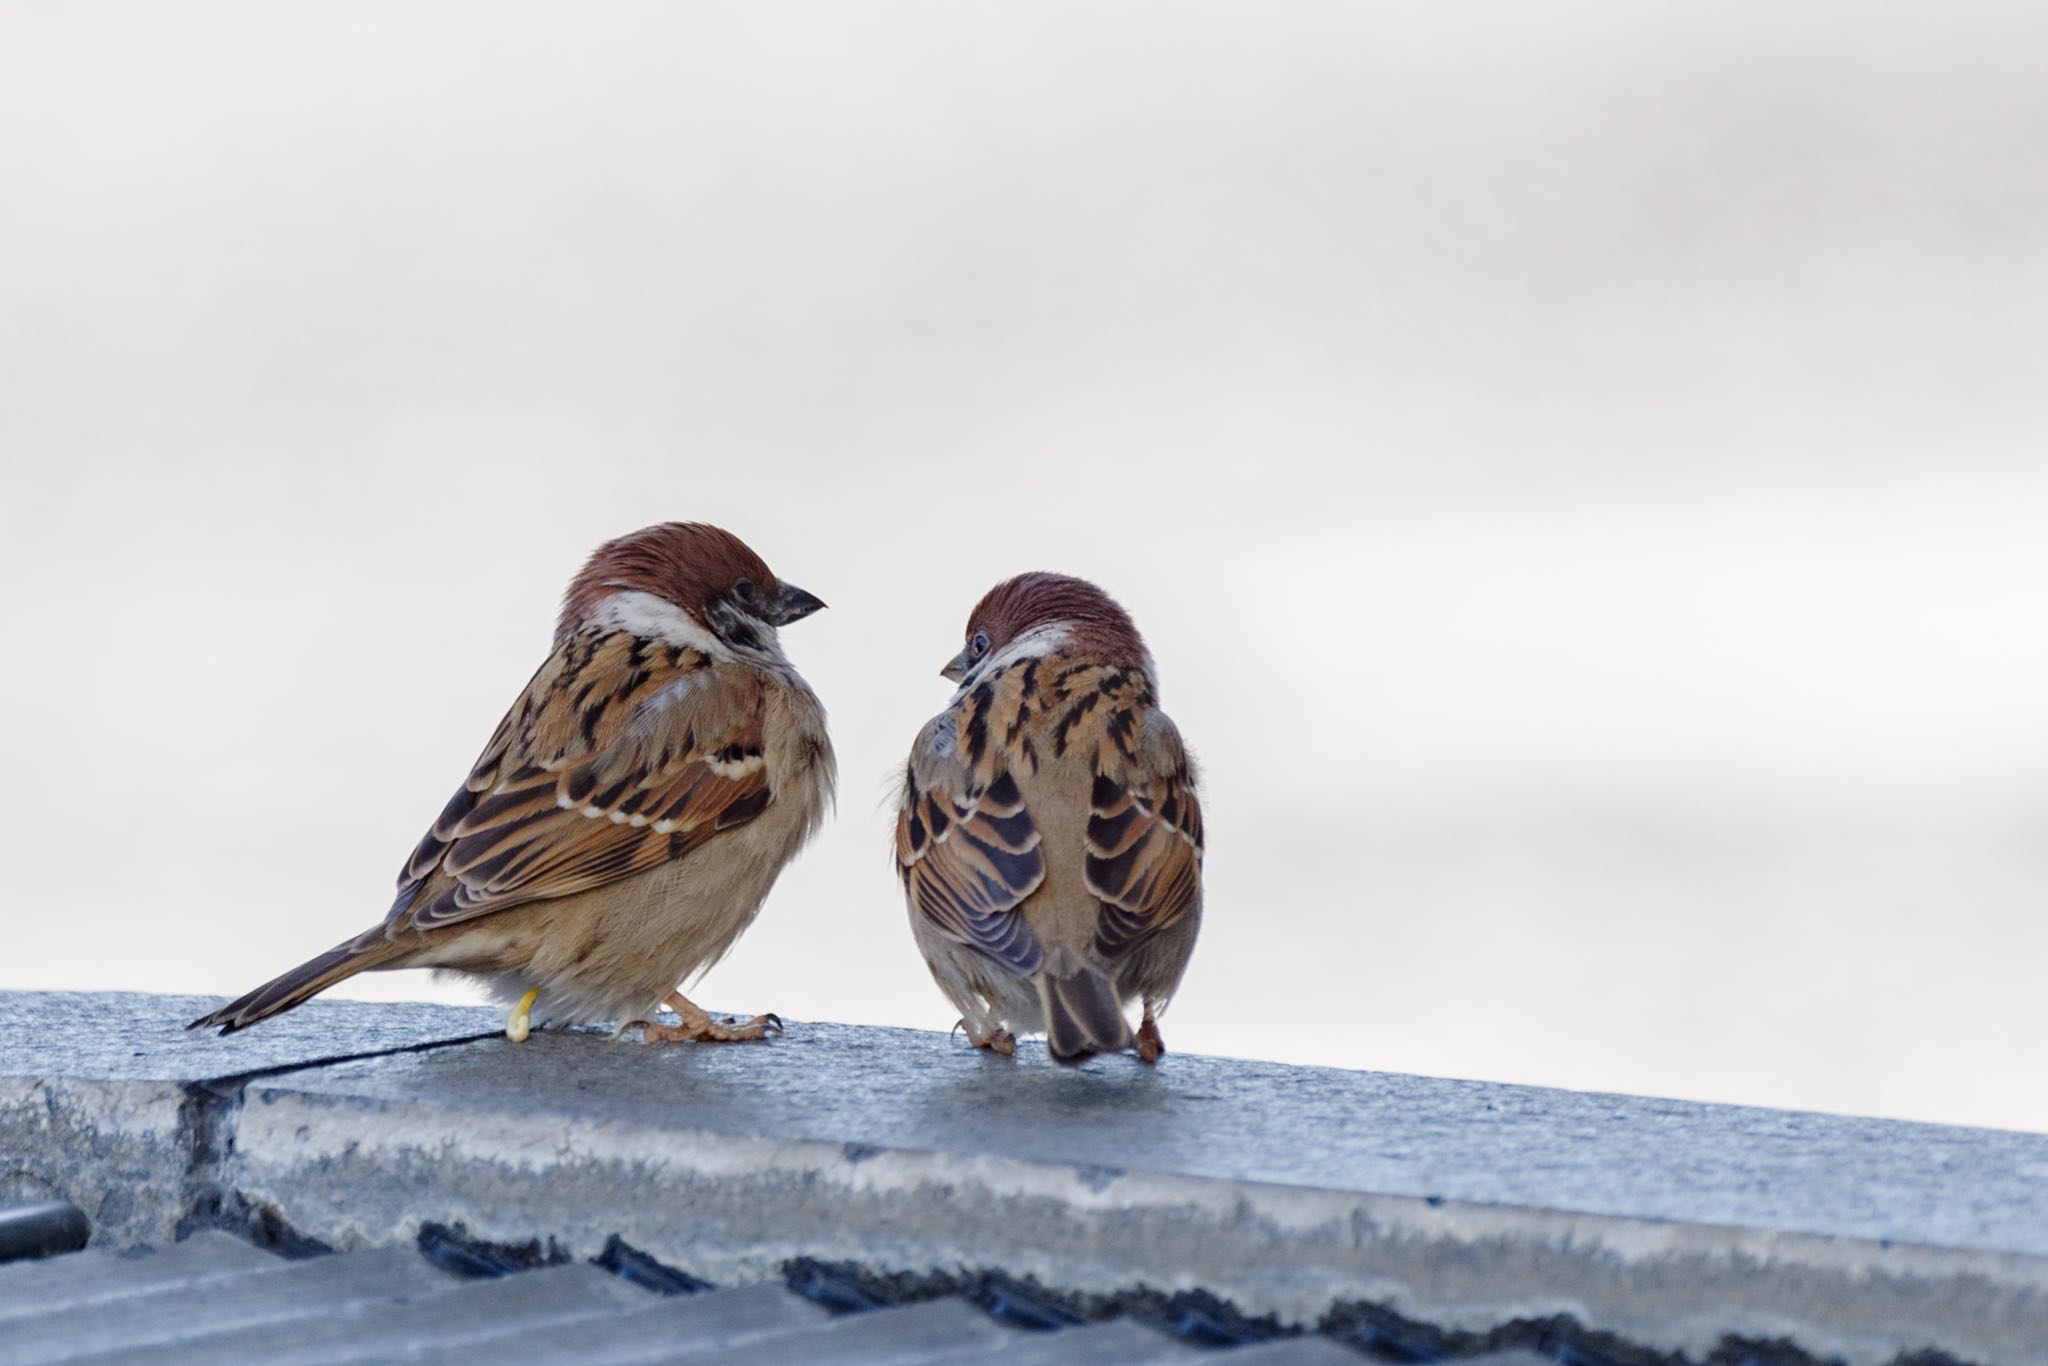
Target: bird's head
685	583
1039	613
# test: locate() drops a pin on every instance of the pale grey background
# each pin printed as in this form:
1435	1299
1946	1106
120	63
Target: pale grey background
1580	468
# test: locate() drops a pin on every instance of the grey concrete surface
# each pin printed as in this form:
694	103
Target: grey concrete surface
103	1096
131	1036
119	1150
1281	1190
1267	1124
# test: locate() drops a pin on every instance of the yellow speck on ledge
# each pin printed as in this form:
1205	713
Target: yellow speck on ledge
520	1023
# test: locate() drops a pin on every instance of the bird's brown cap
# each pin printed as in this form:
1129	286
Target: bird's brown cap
690	564
1097	625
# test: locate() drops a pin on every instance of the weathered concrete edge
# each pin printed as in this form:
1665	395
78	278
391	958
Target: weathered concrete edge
122	1151
355	1172
150	1158
140	1156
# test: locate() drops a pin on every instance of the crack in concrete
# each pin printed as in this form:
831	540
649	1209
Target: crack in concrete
211	1108
237	1080
208	1115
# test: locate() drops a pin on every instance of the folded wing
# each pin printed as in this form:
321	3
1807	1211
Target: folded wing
1144	857
621	755
968	850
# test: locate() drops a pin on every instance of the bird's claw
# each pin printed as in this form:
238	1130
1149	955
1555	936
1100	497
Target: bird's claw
997	1040
699	1027
1150	1046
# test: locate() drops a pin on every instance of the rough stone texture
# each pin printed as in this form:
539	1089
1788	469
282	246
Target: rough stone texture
128	1036
107	1101
119	1150
1268	1124
1284	1191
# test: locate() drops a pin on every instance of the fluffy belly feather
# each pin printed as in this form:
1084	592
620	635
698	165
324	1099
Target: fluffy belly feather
613	953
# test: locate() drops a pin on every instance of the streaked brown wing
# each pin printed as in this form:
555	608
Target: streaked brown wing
620	756
1144	831
968	851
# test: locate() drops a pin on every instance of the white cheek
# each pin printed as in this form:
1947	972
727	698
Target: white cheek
1034	644
655	618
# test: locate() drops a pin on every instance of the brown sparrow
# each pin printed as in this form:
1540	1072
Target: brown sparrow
1049	837
628	817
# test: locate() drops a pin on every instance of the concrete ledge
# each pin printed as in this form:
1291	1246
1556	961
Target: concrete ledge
106	1100
1318	1197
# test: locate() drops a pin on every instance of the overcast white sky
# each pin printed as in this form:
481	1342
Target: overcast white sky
1579	466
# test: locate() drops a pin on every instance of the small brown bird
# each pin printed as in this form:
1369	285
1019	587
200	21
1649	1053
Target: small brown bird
628	817
1049	836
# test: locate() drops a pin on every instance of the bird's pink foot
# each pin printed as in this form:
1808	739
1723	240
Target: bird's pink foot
997	1040
698	1025
1150	1046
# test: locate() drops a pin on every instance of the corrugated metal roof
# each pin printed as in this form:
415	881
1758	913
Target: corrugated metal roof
214	1299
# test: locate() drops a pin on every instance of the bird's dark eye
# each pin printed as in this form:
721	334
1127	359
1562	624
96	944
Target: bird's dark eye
979	644
743	590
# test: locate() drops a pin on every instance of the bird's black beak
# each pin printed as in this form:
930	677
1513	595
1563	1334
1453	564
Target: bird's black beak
957	667
792	604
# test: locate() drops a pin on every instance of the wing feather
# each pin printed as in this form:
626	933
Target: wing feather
966	847
621	755
1144	857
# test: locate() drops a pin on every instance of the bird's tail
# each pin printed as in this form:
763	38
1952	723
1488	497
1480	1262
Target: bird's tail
301	984
1082	1016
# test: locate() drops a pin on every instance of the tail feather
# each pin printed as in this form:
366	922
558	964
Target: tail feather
1082	1016
301	984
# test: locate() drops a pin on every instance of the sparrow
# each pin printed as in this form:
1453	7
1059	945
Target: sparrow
630	813
1048	834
